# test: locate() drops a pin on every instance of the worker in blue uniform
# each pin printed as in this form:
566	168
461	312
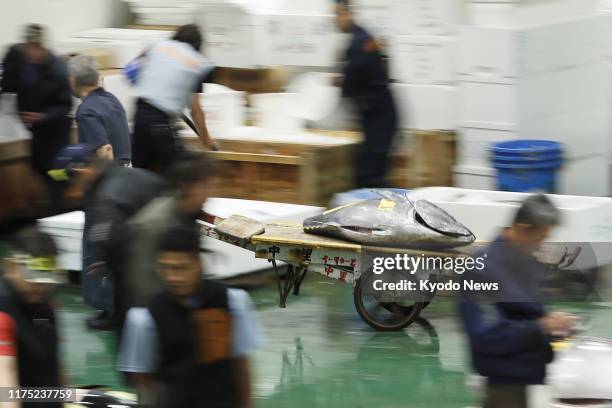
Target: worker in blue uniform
365	81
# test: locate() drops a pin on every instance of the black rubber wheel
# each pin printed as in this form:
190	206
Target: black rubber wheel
385	316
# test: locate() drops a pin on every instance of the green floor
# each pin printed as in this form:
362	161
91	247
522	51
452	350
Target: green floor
318	353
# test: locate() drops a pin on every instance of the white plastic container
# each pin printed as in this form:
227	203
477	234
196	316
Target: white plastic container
224	108
271	111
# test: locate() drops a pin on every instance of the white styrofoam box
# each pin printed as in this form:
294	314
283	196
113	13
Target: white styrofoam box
272	112
473	144
426	17
491	14
489	105
537	13
423	60
302	40
584	219
165	15
119	86
502	52
588	176
11	127
235	37
426	107
375	16
475	177
224	108
486	51
576	42
314	96
148	36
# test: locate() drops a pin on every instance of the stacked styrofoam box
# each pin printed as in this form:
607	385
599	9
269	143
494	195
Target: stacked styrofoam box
250	34
123	44
420	36
224	108
163	12
538	80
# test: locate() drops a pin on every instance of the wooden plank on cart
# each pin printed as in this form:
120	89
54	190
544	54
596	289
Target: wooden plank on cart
293	234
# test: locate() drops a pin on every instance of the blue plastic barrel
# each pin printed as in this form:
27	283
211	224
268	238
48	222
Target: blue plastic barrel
527	165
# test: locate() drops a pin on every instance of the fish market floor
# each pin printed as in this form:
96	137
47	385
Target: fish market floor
318	353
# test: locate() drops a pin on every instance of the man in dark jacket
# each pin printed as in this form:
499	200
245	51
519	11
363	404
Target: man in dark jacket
101	120
365	81
29	354
40	81
510	331
112	194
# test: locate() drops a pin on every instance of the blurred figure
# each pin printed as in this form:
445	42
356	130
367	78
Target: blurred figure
365	81
101	120
191	179
189	347
510	340
40	81
28	332
112	194
169	82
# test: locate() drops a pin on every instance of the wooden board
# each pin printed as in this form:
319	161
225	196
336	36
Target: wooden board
293	234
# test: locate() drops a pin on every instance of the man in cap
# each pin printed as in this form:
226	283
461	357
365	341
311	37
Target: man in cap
28	331
40	81
111	195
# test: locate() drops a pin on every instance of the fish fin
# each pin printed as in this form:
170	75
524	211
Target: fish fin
390	195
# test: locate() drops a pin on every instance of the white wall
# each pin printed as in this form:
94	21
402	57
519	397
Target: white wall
62	18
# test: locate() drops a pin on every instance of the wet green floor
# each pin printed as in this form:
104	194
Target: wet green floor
318	353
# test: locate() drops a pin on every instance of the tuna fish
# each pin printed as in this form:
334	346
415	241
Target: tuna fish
392	221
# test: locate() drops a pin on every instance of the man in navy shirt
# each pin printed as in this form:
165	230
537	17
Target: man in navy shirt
365	81
101	119
510	331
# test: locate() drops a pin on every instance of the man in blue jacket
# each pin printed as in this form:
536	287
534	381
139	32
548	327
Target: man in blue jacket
510	331
365	81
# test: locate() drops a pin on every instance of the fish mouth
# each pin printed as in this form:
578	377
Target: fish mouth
313	225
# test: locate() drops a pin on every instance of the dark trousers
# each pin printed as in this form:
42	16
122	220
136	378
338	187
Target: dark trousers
379	124
505	396
48	138
155	142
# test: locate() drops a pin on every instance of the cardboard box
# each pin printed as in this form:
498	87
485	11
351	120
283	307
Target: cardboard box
433	158
426	107
104	58
423	60
255	80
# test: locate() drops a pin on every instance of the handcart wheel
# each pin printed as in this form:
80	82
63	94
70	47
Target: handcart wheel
385	316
